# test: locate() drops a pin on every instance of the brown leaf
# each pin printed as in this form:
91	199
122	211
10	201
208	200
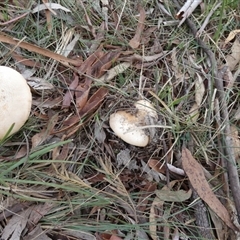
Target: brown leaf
82	92
135	41
68	97
64	153
94	101
90	60
103	64
108	236
157	166
196	176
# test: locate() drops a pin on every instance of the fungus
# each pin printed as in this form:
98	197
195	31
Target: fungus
15	101
128	127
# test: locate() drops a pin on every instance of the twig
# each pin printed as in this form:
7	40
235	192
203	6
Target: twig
199	32
217	76
14	19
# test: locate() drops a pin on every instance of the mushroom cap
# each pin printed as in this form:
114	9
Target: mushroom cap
125	126
146	108
15	100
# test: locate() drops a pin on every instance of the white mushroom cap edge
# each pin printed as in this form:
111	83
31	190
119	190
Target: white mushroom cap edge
15	100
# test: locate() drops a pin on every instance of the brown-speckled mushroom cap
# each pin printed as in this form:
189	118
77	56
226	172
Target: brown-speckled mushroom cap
15	100
127	128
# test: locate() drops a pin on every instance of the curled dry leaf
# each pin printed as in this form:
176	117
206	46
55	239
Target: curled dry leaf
232	35
39	83
113	72
48	6
196	176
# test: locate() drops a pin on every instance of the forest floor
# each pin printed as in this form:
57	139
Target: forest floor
67	174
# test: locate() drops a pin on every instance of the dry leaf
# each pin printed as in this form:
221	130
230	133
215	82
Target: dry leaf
12	207
156	205
199	90
68	97
135	41
37	234
108	236
194	113
39	83
233	59
136	57
157	166
82	92
196	176
38	212
232	35
94	101
48	6
113	72
175	65
99	132
44	134
33	48
103	64
173	196
16	225
90	60
236	143
237	114
48	103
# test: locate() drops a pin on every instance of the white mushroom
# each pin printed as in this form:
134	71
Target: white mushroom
125	126
128	127
146	108
15	101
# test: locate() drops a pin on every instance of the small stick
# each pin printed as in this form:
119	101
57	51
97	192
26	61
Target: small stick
14	19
